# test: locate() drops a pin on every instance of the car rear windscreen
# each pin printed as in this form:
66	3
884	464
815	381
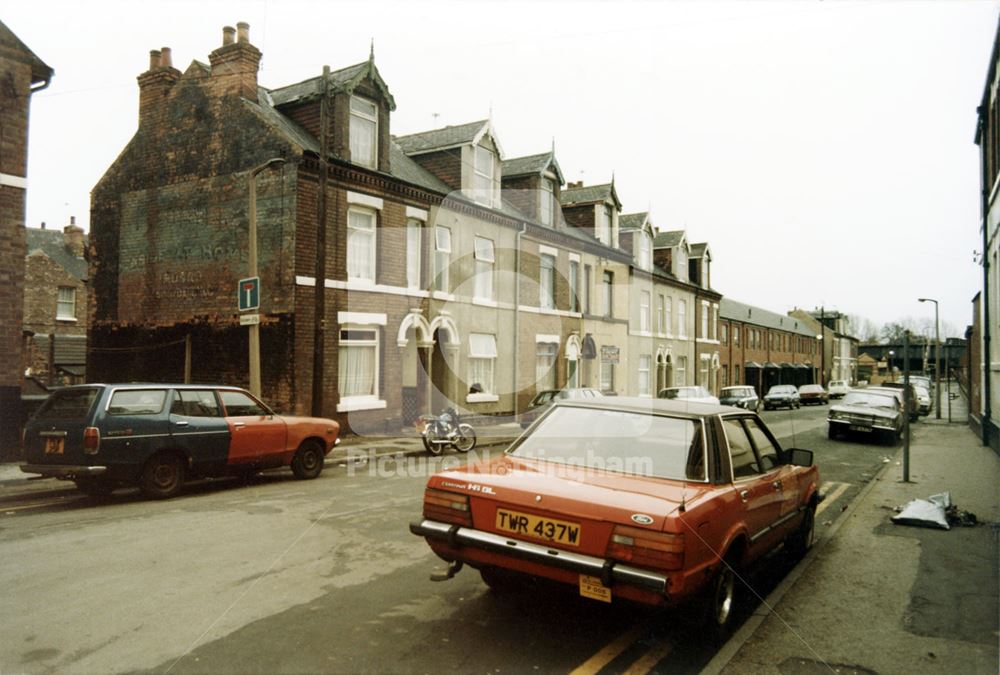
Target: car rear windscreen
67	404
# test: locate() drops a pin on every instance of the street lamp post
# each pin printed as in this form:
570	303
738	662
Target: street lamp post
937	358
889	373
822	358
252	264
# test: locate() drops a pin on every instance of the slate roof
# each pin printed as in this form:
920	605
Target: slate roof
698	250
400	166
12	44
632	221
668	239
738	311
345	79
588	194
531	165
441	139
53	244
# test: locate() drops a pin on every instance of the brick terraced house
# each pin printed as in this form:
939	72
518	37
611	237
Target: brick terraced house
23	74
55	306
763	348
450	274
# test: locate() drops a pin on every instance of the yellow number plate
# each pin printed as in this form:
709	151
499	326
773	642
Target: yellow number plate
591	587
547	529
54	445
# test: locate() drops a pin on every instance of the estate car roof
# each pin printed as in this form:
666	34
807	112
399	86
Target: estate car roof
677	407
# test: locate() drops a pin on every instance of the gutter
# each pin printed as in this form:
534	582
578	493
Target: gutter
517	308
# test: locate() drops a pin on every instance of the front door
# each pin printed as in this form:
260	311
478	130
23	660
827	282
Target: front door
198	427
757	481
256	435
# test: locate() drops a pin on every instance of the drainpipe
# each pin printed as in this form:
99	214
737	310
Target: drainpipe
517	308
985	208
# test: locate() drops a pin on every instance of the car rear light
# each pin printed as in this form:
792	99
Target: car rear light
91	440
447	507
644	547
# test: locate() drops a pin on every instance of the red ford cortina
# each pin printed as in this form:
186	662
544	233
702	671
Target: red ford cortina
652	501
102	436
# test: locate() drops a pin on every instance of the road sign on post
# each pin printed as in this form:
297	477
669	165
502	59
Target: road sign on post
248	292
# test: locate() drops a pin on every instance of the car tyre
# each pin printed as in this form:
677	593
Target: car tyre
466	438
495	579
832	432
162	476
720	601
308	460
94	487
800	541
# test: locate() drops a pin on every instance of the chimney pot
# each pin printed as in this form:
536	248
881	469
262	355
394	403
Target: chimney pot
43	224
154	59
243	32
165	59
72	220
228	35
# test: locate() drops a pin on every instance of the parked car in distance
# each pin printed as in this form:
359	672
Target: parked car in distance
925	404
813	393
155	436
867	411
696	394
897	387
781	396
545	398
838	388
628	499
922	380
740	396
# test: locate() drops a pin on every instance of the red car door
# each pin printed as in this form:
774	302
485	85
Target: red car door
255	432
758	487
784	476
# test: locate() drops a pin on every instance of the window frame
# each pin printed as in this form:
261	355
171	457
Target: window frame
372	233
441	272
546	281
61	303
414	252
354	342
372	162
488	394
478	176
484	268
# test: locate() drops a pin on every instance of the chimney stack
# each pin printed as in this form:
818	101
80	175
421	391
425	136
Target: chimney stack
155	84
73	238
235	64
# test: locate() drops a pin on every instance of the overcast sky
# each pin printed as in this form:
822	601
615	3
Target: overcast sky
823	150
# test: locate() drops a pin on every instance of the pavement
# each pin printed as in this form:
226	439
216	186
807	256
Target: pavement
875	597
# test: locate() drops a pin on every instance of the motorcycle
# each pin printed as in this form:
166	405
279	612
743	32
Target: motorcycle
446	429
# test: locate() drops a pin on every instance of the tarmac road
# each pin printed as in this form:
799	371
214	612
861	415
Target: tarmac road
280	575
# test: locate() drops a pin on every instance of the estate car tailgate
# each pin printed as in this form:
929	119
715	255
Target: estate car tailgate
568	507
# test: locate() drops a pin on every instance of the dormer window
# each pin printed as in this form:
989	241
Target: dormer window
547	202
603	232
645	251
364	132
483	182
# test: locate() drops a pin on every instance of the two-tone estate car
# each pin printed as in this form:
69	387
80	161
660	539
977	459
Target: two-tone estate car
103	436
653	501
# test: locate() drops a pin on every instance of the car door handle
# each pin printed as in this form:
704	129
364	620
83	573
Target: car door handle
744	494
181	423
777	484
239	425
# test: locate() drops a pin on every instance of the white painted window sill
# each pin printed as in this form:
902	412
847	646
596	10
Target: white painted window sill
482	398
355	403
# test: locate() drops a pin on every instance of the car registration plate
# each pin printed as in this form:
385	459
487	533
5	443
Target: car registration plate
54	445
856	427
549	529
591	587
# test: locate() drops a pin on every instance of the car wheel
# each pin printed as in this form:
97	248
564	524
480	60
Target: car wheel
801	540
308	460
163	476
496	579
466	438
94	487
720	601
831	432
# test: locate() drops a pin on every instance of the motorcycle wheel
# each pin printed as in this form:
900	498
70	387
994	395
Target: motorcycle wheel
430	435
466	438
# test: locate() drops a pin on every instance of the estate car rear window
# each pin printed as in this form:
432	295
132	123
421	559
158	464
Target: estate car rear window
67	404
616	440
137	402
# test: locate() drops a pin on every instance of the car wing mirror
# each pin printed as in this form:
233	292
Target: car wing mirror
799	457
